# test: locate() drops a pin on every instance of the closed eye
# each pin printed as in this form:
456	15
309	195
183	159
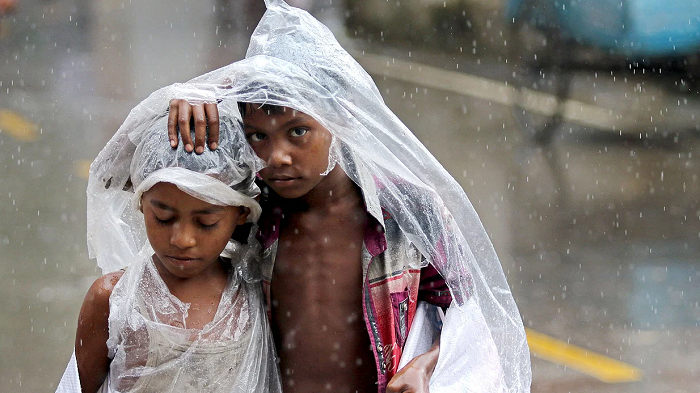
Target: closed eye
167	221
208	226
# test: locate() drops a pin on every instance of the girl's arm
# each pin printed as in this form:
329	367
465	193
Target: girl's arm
93	332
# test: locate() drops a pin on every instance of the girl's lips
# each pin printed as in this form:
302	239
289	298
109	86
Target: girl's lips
184	258
182	261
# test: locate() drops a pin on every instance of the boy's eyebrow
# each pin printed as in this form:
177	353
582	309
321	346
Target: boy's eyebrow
245	126
299	118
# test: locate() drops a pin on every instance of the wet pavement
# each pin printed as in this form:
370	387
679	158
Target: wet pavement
598	232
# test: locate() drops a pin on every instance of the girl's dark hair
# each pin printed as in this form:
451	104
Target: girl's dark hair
241	233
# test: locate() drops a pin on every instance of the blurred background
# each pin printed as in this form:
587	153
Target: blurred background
572	125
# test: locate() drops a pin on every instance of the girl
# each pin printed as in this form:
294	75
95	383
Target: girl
180	308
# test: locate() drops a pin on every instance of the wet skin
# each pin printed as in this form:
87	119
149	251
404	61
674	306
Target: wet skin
317	281
187	236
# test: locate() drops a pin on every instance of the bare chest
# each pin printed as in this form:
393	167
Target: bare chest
325	250
317	317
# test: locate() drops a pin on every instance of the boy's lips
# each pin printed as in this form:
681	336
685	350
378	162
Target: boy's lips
283	179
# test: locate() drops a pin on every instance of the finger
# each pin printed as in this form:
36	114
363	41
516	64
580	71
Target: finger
200	128
212	112
172	123
183	120
394	389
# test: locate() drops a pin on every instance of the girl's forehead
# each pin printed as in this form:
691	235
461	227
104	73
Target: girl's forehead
169	195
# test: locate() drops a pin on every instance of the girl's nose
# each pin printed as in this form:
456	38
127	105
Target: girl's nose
182	236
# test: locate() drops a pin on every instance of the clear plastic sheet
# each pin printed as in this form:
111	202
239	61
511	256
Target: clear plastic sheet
154	351
203	187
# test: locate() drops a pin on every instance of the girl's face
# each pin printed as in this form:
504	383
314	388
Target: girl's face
187	234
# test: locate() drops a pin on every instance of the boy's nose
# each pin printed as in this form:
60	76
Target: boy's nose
182	237
279	156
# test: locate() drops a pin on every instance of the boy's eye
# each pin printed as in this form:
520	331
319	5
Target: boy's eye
297	132
257	136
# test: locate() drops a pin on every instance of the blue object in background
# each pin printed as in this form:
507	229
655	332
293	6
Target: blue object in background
636	29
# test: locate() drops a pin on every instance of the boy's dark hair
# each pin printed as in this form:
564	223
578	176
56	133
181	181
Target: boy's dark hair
248	107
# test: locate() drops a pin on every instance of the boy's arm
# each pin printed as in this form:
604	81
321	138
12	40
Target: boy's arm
180	112
415	376
92	334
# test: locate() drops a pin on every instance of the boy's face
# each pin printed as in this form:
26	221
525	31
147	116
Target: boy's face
294	146
187	234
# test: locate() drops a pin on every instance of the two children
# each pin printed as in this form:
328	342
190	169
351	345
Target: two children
365	235
366	238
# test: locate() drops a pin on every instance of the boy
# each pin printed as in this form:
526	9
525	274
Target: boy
360	224
318	259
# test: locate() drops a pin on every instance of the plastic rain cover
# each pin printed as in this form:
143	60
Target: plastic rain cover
295	61
151	347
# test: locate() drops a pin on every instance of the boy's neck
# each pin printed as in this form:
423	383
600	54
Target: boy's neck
335	189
